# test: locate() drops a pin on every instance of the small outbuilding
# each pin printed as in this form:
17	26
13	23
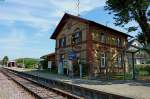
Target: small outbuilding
50	60
12	64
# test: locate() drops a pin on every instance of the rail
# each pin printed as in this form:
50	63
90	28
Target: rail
73	89
44	89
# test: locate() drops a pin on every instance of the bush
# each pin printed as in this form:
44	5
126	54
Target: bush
147	68
143	68
28	62
148	62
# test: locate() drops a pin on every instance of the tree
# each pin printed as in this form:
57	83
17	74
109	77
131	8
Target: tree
5	60
126	11
28	62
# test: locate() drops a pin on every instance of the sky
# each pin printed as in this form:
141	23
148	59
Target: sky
26	25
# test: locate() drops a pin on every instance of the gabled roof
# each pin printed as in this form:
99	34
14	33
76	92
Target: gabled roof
66	16
50	54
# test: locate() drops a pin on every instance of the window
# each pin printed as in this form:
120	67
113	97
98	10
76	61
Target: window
113	41
118	42
62	57
76	38
102	38
103	60
62	42
119	61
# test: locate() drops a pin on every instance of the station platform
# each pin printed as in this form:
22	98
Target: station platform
133	89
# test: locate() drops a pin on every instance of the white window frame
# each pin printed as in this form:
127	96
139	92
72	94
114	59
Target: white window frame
119	61
103	60
62	42
103	38
118	42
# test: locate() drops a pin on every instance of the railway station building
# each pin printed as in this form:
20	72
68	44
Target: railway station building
99	48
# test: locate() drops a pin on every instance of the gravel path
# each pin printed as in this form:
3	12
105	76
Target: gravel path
10	90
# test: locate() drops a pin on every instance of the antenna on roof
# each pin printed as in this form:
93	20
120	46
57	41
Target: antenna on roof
78	7
107	23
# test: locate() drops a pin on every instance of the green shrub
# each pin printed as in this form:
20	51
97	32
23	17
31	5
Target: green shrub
143	69
147	68
28	62
148	62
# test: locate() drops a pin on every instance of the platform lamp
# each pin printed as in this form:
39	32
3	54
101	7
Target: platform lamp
133	49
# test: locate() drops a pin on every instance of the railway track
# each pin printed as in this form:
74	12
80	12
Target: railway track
38	90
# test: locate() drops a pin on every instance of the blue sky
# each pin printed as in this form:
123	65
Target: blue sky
26	25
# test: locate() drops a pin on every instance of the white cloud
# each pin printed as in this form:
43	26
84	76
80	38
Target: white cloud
13	41
42	15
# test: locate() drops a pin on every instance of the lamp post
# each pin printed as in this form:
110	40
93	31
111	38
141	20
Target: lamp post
133	49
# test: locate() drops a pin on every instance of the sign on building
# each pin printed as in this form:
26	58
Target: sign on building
72	55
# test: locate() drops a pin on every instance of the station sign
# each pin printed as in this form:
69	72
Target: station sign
72	55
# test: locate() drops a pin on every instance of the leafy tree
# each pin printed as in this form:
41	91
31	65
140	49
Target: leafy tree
126	11
28	62
5	60
141	38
